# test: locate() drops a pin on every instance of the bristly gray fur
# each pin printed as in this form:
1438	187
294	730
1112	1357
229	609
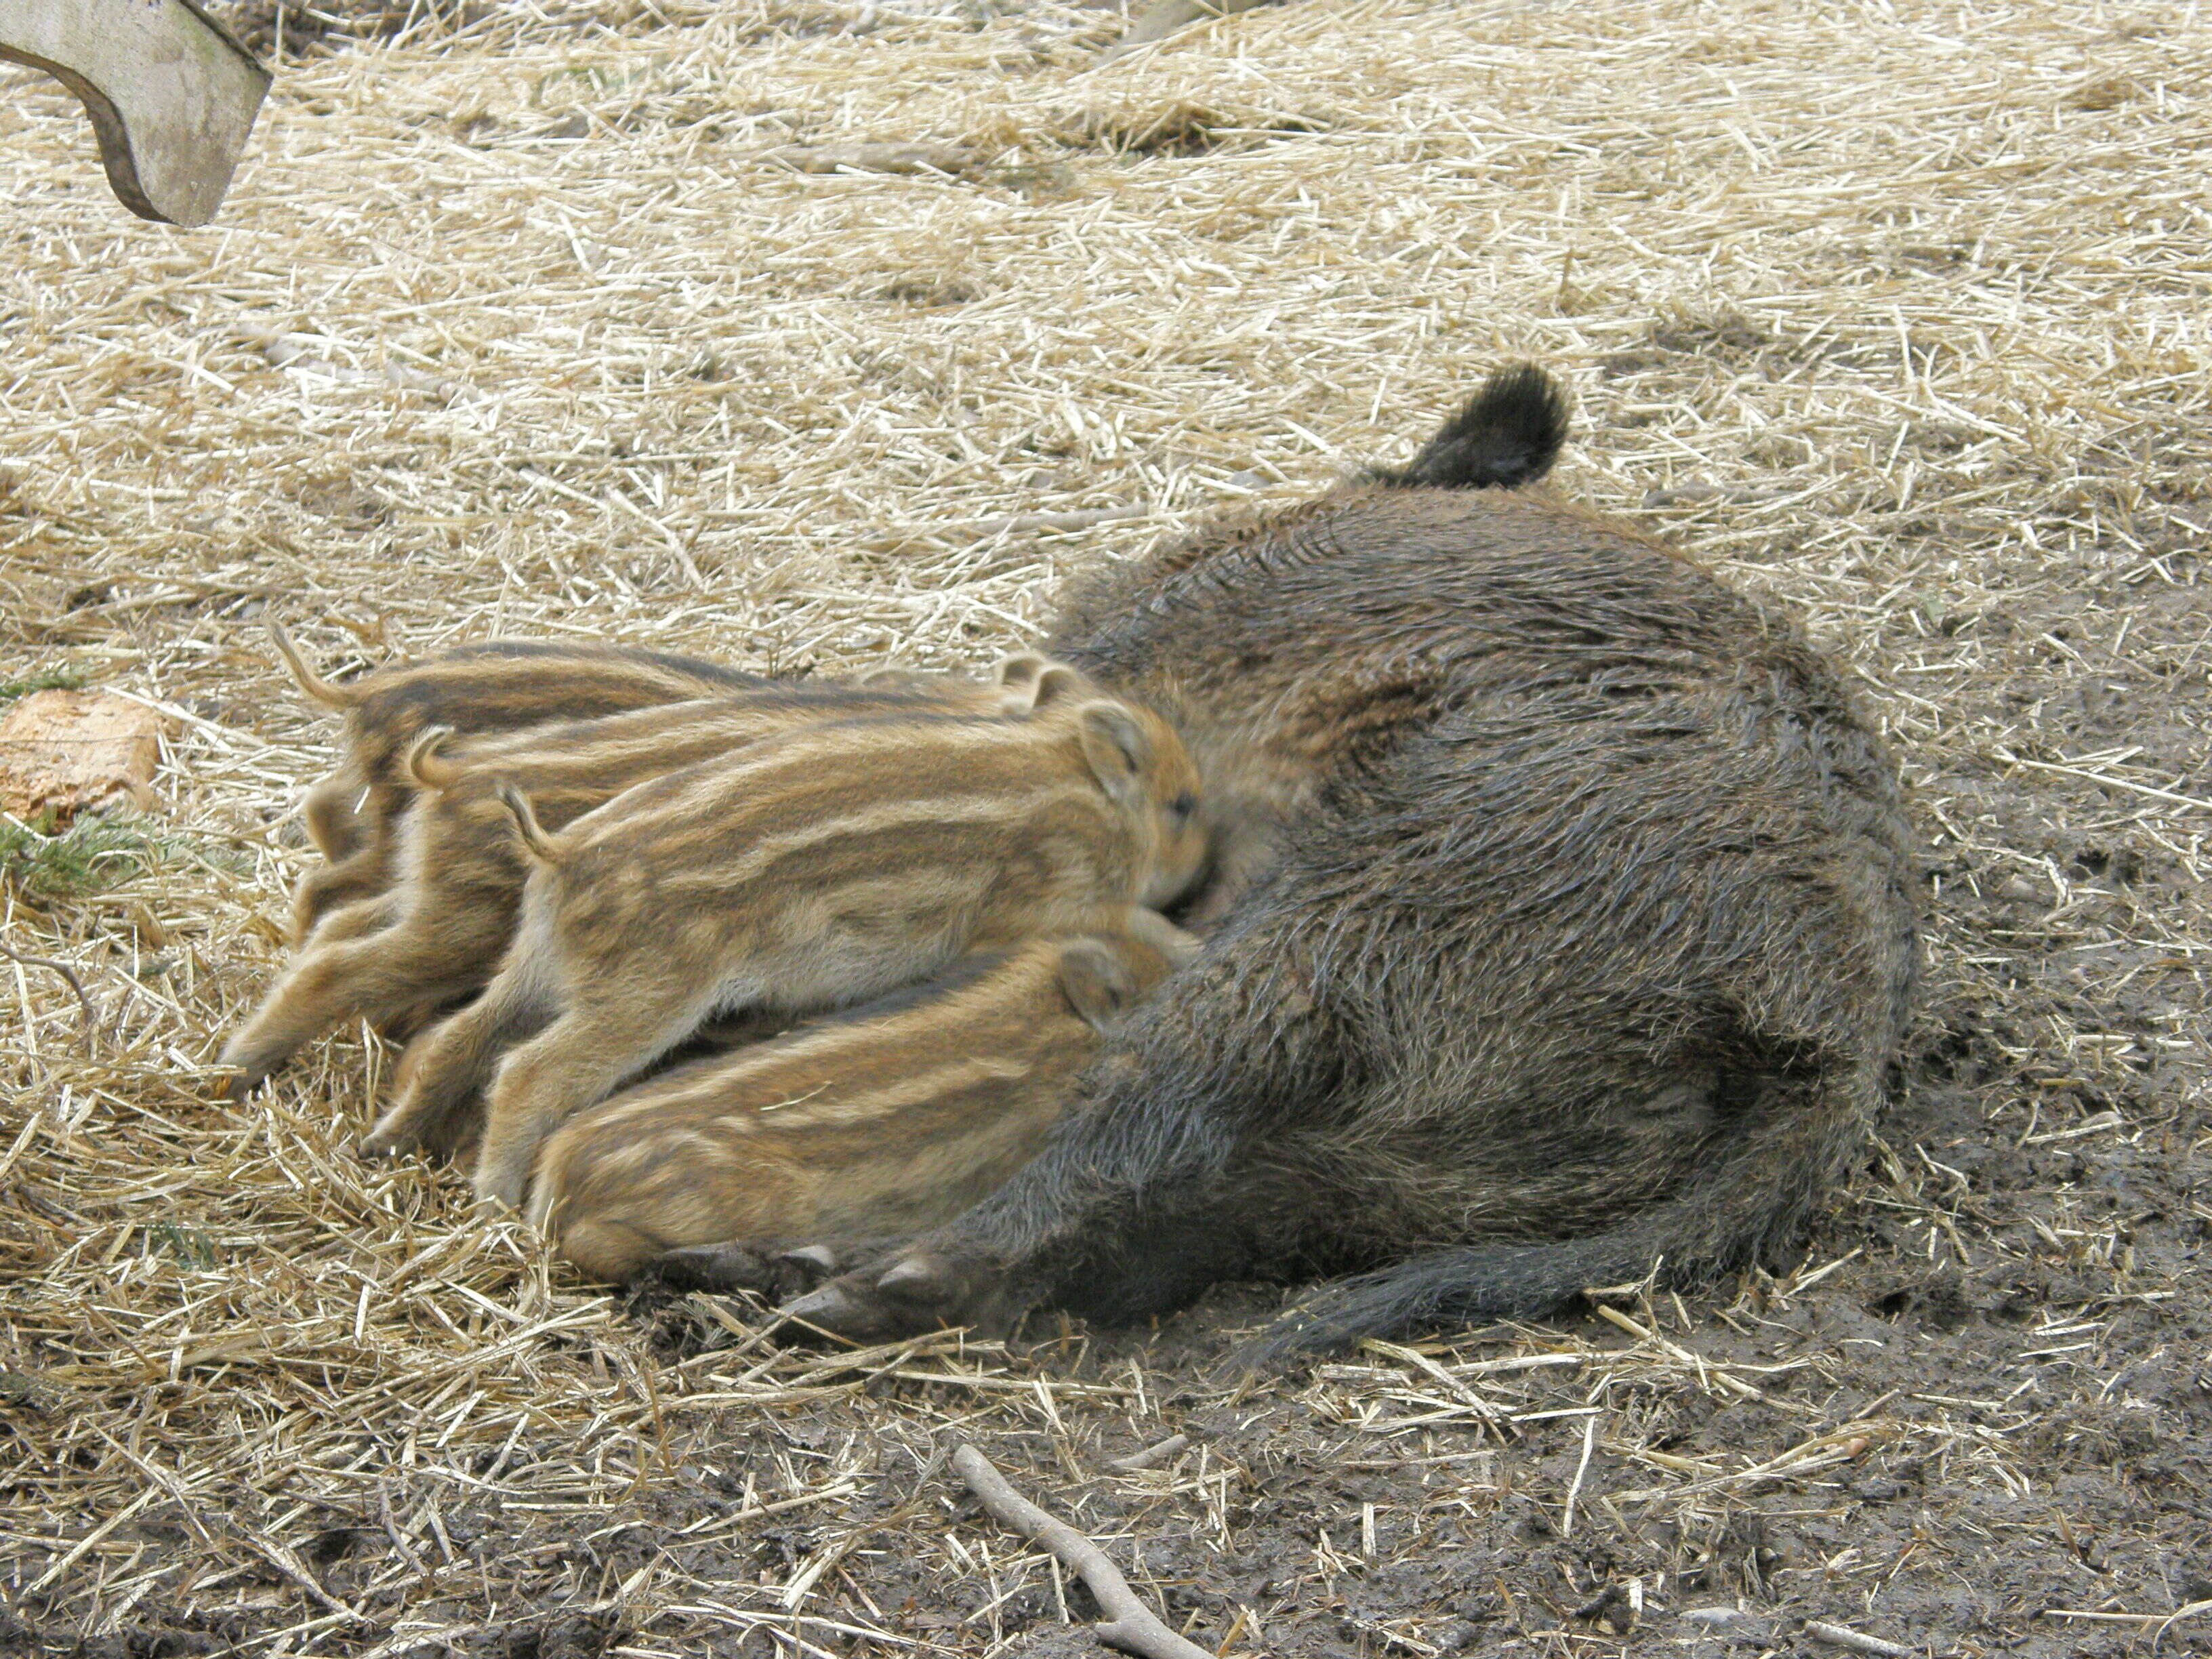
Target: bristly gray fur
1566	924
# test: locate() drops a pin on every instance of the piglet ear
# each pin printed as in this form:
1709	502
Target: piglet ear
1019	676
1148	926
1056	683
1097	981
1116	748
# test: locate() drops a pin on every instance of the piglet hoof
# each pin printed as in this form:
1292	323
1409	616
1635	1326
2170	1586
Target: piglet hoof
392	1136
248	1065
502	1171
379	1147
498	1190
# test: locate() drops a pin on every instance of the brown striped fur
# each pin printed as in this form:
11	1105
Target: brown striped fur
834	867
885	1121
503	685
438	932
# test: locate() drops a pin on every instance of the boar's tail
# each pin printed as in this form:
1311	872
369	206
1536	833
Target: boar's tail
424	764
1476	1285
531	833
1753	1197
1508	434
330	696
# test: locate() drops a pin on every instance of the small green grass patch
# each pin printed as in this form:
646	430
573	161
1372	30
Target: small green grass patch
67	677
90	856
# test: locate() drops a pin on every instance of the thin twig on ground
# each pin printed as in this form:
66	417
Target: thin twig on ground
1152	1457
2161	1619
1844	1637
83	997
1130	1625
1582	1469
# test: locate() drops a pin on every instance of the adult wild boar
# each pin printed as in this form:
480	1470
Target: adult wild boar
1562	923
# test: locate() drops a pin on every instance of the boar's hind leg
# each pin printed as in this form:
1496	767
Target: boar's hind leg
1148	1255
1752	1196
1134	1206
1476	1285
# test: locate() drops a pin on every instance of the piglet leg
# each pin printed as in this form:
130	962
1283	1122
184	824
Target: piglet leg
333	823
577	1061
374	975
323	895
1132	1204
443	1069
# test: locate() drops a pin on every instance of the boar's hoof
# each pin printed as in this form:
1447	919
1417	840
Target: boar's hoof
934	1291
919	1281
919	1292
840	1309
810	1264
719	1269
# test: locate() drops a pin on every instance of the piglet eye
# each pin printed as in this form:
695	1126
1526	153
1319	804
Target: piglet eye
1184	807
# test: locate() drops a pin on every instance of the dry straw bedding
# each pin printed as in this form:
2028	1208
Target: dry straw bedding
517	325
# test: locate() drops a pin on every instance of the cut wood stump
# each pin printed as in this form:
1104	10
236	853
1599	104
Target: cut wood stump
63	751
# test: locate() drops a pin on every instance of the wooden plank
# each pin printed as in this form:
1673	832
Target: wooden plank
171	93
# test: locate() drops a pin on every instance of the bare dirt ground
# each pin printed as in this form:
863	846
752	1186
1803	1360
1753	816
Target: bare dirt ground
516	322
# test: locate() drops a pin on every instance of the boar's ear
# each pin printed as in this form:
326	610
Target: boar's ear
1097	981
1117	749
